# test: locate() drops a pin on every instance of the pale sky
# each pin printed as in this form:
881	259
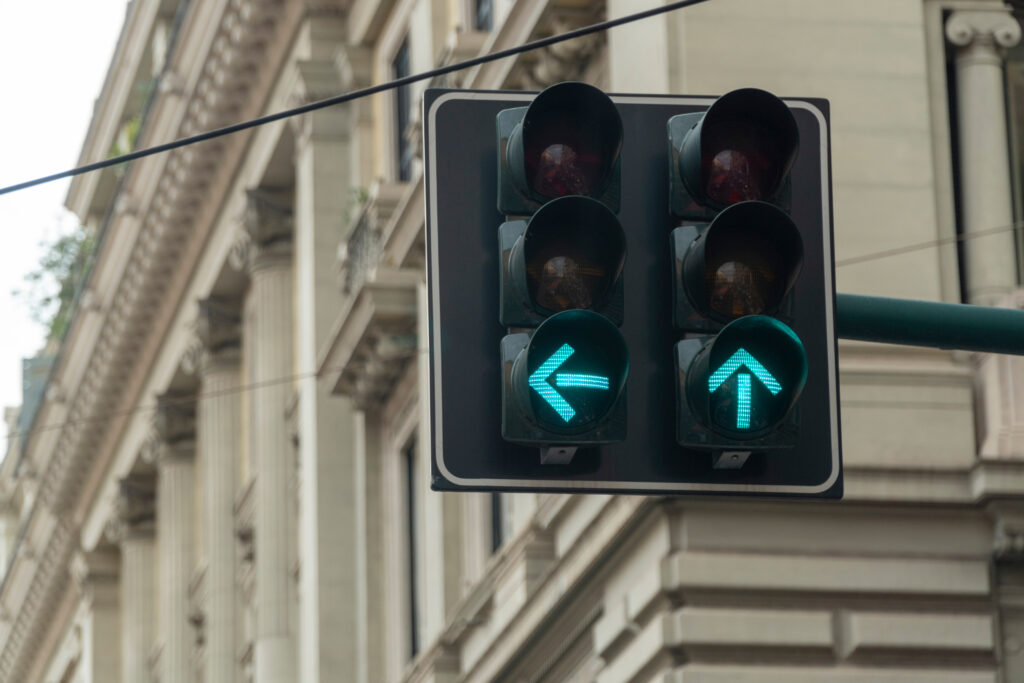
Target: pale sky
54	56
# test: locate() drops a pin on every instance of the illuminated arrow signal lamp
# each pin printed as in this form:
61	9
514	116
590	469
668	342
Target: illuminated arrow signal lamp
561	252
564	384
735	261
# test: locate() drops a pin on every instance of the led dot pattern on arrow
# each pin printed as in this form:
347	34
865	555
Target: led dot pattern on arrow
741	357
743	405
544	380
538	381
744	394
571	379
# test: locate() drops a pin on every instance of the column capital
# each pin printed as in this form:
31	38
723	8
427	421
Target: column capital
218	329
95	574
175	419
135	510
268	215
983	28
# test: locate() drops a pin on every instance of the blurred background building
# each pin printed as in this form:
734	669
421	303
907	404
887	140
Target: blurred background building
223	473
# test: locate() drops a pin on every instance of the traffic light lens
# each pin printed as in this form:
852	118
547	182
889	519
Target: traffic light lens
745	261
575	368
565	283
571	136
740	162
748	286
560	170
572	165
573	252
746	379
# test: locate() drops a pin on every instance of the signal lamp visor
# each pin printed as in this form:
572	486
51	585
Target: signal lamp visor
742	149
748	377
573	370
745	262
572	253
568	141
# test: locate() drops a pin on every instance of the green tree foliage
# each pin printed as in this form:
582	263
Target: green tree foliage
51	287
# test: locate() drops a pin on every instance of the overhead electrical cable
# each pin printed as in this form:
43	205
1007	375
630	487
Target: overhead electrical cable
354	95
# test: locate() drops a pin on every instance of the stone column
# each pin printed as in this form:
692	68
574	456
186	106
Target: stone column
218	428
175	502
95	574
132	529
986	198
268	221
332	608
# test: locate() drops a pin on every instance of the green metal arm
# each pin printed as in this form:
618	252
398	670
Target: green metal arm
927	323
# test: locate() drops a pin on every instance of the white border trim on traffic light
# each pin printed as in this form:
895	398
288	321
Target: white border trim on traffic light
624	486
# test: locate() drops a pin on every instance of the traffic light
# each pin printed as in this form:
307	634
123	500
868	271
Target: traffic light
599	325
560	272
742	368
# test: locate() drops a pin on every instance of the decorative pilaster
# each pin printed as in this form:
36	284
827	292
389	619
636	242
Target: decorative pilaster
268	222
175	425
132	529
986	194
96	576
218	425
331	503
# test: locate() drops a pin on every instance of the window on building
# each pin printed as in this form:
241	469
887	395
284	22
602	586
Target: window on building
403	147
484	15
497	521
411	498
1015	112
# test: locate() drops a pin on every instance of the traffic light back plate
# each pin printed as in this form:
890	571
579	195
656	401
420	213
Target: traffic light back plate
461	161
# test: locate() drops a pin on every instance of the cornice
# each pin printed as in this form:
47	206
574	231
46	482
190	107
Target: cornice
184	177
374	338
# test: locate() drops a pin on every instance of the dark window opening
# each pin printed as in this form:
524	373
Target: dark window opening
484	15
410	520
497	522
403	147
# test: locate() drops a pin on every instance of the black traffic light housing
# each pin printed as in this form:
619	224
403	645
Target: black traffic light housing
564	384
570	254
744	262
741	148
733	273
567	142
488	434
714	412
560	272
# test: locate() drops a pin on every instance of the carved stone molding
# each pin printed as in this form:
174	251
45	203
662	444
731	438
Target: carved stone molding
999	403
245	522
360	252
354	66
375	338
268	217
243	30
219	324
175	418
1008	536
987	28
135	509
459	46
198	596
95	574
241	247
564	61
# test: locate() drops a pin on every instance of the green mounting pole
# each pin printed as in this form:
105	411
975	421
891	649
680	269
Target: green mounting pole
928	323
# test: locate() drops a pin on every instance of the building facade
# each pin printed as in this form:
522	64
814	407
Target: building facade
226	477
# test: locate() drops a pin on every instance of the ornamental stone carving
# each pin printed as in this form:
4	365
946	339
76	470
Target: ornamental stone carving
135	509
219	324
268	217
175	419
984	28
